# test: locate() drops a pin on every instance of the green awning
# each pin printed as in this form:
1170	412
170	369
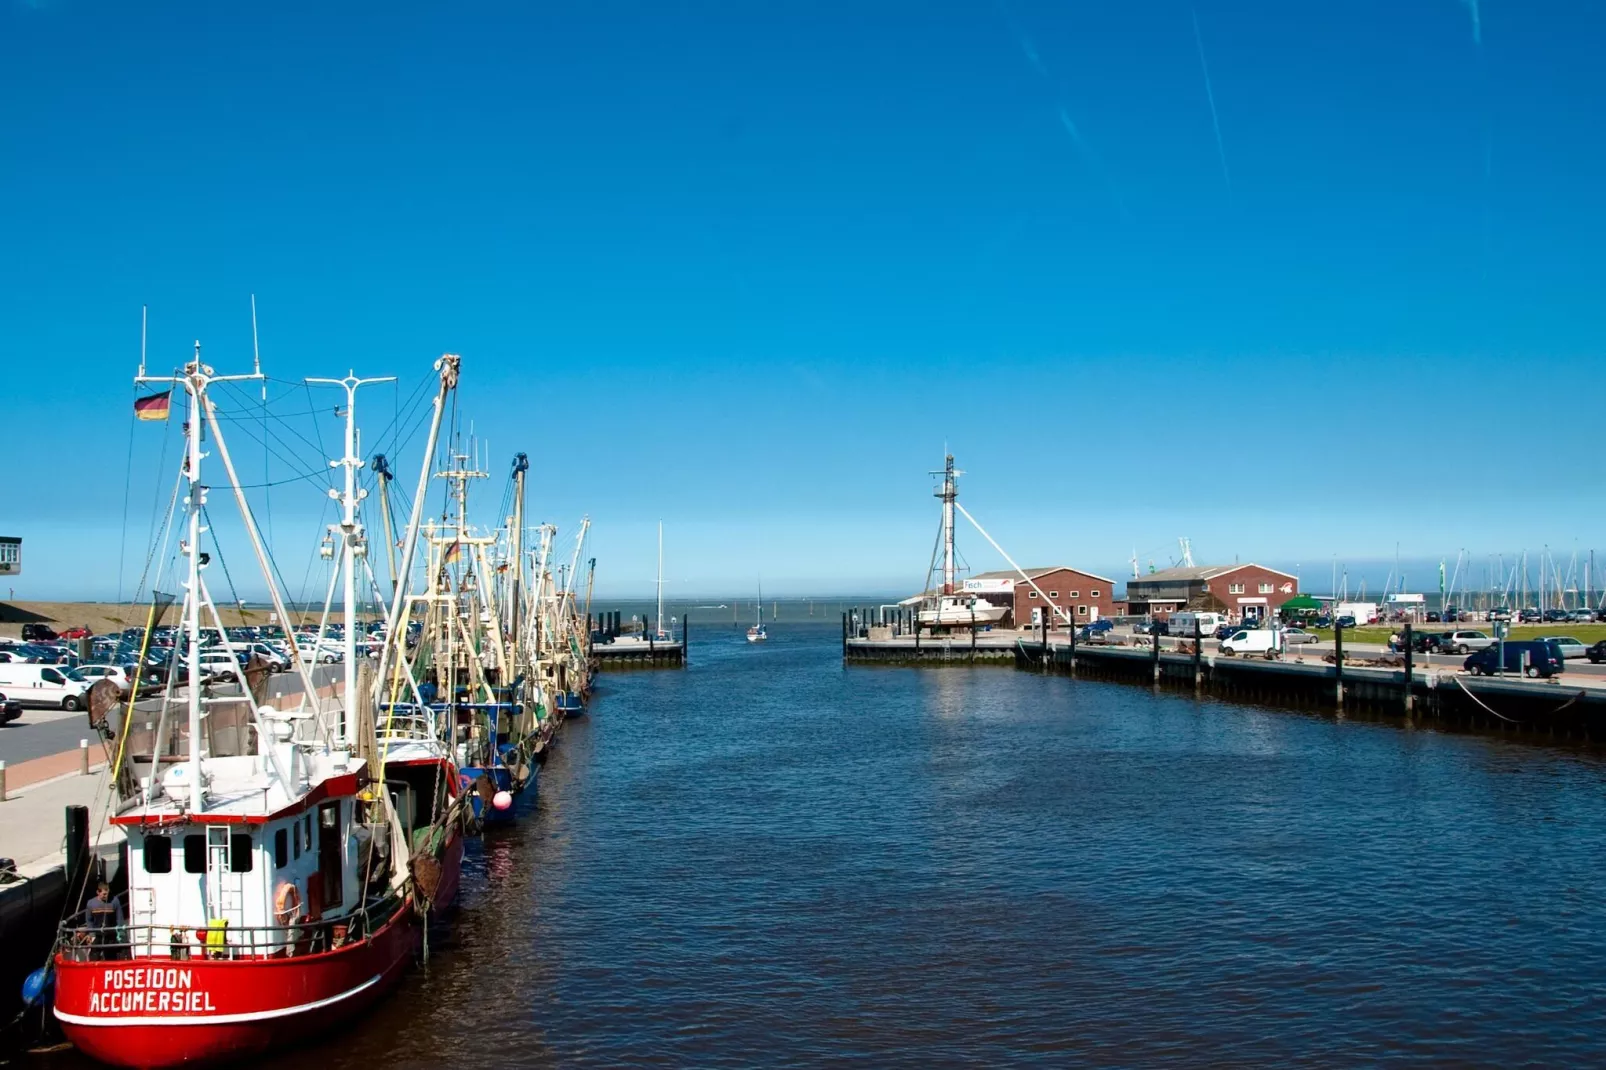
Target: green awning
1301	602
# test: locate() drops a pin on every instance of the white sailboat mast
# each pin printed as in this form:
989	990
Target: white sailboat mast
660	575
352	542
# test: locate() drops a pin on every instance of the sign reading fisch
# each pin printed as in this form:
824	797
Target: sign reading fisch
148	989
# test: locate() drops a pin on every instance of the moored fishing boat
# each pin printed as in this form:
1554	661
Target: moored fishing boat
273	892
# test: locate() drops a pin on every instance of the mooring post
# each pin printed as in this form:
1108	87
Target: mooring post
1409	697
1154	637
1198	657
1073	650
1046	611
77	856
1338	662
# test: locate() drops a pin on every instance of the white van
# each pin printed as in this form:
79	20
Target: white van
1250	641
44	685
1182	624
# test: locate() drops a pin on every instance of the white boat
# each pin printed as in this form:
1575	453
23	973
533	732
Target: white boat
962	609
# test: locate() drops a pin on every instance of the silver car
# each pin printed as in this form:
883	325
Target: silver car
1465	642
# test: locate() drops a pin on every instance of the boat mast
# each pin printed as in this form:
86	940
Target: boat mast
521	465
660	575
948	492
352	541
195	379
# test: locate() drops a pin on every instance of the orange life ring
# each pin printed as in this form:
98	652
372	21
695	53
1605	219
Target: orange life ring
287	903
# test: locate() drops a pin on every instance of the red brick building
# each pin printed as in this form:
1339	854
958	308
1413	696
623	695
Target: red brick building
1238	590
1085	596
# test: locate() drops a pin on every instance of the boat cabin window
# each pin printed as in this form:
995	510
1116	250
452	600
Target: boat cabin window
195	853
158	854
240	852
281	848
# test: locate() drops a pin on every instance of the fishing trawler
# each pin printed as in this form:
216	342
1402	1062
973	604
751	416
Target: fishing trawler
273	892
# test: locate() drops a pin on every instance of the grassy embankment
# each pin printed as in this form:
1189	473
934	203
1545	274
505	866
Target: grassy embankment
101	617
1584	633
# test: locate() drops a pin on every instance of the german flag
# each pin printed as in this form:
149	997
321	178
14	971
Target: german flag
452	553
154	407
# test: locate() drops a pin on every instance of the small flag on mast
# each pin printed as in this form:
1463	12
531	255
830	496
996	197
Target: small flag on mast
452	552
154	407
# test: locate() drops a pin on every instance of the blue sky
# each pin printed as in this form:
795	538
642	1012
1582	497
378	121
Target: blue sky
748	268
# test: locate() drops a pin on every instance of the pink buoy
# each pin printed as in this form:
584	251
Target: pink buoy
502	800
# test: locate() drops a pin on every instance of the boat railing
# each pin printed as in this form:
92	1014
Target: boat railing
407	722
81	939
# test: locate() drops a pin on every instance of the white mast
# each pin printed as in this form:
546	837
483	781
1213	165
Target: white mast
660	575
948	492
352	542
196	378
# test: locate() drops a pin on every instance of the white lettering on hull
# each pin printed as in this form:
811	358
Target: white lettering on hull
178	1003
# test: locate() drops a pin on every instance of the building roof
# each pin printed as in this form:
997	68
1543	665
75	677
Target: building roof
1034	573
1199	572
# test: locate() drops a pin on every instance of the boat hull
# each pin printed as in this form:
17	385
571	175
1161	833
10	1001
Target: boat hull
158	1012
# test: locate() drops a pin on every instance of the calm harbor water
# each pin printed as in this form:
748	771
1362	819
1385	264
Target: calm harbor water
770	859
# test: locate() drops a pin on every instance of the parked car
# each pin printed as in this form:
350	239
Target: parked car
1534	658
38	633
1296	636
278	660
1433	616
118	674
44	685
1597	652
1346	621
1530	616
10	709
1249	641
1500	613
1464	642
1583	616
1570	647
1324	621
1553	615
1430	642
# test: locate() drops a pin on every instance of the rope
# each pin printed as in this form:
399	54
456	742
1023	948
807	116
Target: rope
1502	716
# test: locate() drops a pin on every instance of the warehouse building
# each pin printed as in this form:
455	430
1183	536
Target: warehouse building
1084	596
1240	591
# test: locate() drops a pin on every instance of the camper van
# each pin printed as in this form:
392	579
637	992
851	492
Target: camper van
43	685
1182	623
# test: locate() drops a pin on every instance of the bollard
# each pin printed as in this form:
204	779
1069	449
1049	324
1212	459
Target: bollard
685	640
78	858
1198	647
1046	611
83	757
1338	663
2	781
1073	650
1154	636
1409	698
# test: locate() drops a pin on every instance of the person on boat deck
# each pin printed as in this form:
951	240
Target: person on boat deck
104	916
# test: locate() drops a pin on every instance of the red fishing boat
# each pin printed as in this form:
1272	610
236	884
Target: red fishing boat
278	881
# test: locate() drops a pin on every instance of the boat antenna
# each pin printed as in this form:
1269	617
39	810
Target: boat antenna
144	318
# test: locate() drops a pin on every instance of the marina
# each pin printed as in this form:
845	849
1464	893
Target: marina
802	536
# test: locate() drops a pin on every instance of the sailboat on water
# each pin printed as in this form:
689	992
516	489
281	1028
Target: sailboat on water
757	634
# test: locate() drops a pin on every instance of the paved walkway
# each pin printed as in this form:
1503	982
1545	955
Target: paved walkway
33	822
